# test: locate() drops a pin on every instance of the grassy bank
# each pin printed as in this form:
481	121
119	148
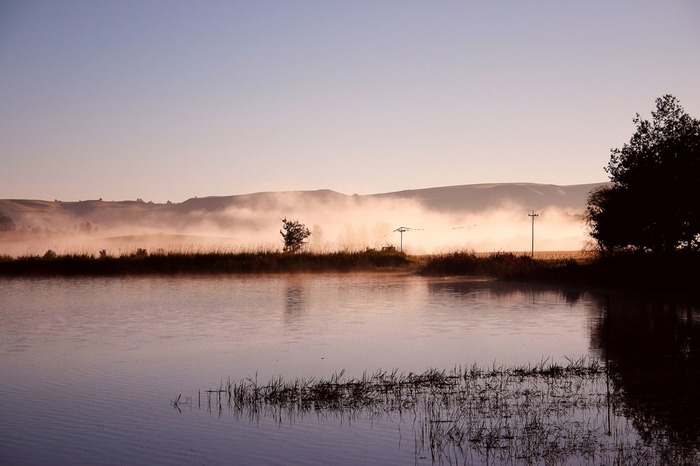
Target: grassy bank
634	271
670	273
142	262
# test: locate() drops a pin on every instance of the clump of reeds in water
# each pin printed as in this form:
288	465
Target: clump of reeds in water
541	414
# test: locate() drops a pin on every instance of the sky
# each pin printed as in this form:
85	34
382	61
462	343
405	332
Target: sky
168	100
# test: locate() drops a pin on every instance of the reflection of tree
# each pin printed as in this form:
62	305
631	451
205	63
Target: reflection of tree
653	349
294	300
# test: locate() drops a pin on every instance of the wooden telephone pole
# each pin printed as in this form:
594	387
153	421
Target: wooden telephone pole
533	215
402	230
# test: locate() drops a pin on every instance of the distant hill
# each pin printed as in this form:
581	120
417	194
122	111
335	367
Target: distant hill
481	197
340	218
465	198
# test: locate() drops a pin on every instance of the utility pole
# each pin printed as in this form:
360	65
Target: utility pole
401	230
533	215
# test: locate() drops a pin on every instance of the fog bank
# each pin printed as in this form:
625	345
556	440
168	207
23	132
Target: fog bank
482	218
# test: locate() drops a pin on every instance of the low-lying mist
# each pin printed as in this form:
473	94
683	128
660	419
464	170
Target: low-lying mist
337	222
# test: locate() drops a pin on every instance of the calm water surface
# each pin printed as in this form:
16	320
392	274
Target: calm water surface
89	365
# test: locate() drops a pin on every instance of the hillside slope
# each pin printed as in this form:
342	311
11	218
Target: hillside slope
494	215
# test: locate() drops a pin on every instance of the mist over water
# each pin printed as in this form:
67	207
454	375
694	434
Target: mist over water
356	224
336	222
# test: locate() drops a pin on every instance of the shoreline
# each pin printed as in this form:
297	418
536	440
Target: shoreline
634	272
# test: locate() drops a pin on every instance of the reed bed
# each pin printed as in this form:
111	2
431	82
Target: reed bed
141	261
661	273
503	265
541	414
667	273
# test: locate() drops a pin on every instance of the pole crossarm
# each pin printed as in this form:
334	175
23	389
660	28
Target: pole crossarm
402	230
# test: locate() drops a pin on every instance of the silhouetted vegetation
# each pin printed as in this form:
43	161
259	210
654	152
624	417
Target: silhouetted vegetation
502	265
630	270
653	202
646	224
648	272
293	233
541	414
142	262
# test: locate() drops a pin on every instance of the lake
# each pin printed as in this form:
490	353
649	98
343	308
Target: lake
90	366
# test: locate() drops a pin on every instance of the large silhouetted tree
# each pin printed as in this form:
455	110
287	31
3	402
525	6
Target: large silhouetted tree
653	203
294	234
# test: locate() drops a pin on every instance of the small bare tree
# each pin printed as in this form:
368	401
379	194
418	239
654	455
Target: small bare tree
294	234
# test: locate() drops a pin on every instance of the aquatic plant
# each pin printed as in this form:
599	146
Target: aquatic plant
541	414
179	401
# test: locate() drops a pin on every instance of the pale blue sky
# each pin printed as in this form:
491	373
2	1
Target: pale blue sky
166	100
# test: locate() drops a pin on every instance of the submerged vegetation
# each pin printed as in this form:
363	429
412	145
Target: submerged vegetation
542	414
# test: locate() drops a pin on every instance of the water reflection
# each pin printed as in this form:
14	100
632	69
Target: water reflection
108	339
294	300
653	350
504	290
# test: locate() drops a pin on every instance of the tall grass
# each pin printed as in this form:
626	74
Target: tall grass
141	261
504	265
674	273
671	273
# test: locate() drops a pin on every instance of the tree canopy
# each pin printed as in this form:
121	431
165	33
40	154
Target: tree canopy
653	202
294	234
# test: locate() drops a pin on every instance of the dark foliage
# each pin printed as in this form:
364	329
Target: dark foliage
293	233
502	265
671	273
653	204
141	262
647	272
